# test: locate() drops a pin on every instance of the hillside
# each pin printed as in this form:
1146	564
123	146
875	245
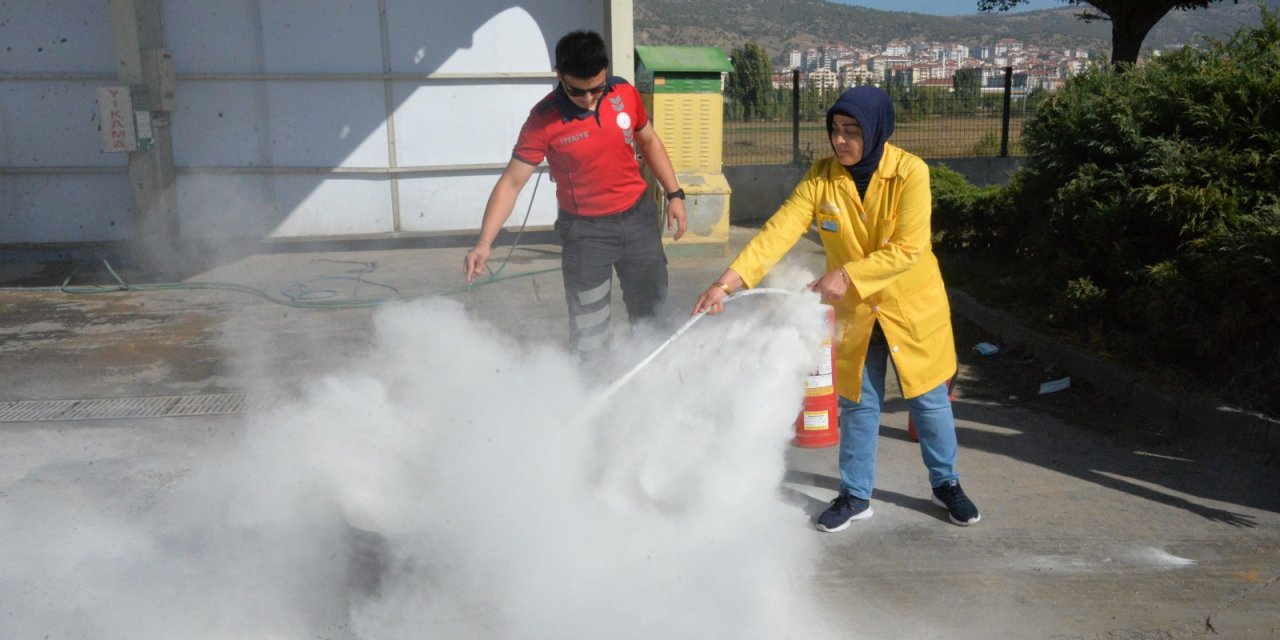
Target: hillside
781	25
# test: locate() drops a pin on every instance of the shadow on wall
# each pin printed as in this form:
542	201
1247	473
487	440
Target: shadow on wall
758	190
315	125
257	156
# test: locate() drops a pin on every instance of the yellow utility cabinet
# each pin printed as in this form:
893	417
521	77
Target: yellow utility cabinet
682	91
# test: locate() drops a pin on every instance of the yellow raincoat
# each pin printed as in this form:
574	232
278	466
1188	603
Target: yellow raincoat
884	245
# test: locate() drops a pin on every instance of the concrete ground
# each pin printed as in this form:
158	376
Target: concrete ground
1091	529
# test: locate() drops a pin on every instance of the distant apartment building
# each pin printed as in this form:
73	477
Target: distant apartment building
896	50
882	64
953	53
808	59
1007	46
901	77
856	74
782	78
822	79
993	80
1044	76
1074	66
934	64
933	71
827	60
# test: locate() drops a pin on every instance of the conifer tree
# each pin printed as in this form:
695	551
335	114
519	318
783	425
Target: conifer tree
751	82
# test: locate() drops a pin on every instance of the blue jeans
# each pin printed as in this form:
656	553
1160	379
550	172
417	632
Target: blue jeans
860	427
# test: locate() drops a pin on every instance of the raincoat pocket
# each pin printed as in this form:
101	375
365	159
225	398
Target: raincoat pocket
926	310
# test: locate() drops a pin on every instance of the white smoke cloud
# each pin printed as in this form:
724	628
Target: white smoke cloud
454	483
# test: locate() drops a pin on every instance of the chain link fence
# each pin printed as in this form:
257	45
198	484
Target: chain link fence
789	126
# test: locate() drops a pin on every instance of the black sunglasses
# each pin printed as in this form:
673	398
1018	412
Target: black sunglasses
578	93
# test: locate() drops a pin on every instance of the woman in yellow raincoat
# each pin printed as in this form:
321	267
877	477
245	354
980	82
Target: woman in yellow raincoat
871	205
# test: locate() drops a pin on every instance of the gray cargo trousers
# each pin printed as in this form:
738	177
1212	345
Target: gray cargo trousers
593	248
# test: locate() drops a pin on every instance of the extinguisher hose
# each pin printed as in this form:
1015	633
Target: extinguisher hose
620	382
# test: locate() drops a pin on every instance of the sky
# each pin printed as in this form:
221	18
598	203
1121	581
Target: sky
945	7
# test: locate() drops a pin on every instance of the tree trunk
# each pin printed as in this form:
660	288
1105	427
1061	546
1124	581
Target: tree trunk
1130	24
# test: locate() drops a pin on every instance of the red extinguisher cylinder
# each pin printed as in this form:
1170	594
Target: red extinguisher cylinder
818	424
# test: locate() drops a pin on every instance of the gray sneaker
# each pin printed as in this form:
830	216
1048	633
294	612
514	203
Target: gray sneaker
951	497
843	511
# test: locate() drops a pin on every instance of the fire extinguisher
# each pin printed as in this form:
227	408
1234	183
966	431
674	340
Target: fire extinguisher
818	424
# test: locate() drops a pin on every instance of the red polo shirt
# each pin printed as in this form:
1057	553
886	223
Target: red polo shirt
591	153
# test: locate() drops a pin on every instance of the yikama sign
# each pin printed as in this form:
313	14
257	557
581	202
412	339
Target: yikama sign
115	119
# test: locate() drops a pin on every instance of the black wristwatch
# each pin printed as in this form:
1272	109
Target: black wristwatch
678	193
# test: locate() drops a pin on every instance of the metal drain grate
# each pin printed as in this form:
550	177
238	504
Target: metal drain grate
147	407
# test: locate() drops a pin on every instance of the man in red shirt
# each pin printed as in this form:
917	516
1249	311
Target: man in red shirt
589	130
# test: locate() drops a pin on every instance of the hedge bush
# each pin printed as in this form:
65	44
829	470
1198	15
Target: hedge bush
1149	207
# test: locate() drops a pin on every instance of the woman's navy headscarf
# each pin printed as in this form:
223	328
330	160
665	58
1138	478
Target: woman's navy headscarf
871	107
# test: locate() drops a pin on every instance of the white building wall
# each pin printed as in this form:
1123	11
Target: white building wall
68	190
293	118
